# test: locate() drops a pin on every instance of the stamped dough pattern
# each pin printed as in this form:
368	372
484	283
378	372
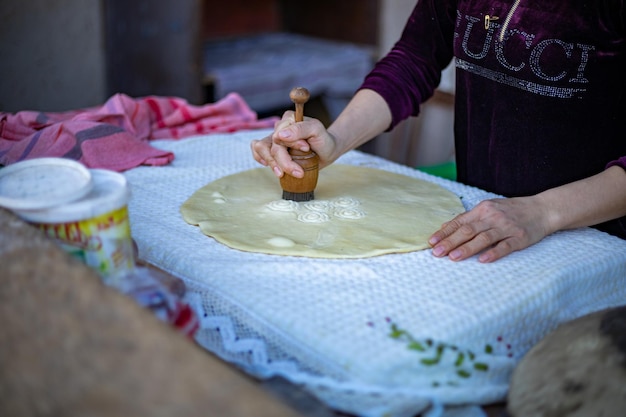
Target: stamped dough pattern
320	211
283	205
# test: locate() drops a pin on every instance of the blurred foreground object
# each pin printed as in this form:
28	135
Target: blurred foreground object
72	346
579	370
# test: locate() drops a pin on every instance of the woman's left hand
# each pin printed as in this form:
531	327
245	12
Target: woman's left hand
494	227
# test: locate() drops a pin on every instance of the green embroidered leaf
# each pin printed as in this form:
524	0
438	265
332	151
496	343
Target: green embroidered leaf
414	345
436	359
396	333
459	359
481	366
425	345
430	361
463	373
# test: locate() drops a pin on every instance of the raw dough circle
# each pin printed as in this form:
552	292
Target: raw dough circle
357	212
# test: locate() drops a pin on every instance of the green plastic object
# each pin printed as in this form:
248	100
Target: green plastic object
446	170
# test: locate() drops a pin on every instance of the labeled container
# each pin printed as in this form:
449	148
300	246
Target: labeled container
88	215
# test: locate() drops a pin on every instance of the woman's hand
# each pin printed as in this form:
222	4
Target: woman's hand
494	227
501	226
273	150
366	116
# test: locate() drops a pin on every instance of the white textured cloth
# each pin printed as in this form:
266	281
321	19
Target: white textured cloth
397	334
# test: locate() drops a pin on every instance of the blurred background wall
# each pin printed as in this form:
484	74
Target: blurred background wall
58	55
52	54
65	54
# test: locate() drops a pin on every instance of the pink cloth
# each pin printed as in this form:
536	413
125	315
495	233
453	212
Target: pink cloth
116	135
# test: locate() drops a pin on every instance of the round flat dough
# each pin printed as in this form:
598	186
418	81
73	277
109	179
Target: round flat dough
357	212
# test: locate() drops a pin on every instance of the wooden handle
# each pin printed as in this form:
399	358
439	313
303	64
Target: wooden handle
309	161
299	95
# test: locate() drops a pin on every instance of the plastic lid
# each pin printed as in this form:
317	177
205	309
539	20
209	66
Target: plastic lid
42	183
109	192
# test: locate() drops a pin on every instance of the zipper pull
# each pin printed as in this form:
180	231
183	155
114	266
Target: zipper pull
489	19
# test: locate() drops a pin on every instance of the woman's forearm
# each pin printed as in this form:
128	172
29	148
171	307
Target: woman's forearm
587	202
366	116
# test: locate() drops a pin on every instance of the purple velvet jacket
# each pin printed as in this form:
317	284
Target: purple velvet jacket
540	87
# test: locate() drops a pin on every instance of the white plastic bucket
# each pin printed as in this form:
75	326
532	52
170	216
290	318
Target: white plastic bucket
94	227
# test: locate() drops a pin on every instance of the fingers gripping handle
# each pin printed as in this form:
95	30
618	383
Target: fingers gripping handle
301	189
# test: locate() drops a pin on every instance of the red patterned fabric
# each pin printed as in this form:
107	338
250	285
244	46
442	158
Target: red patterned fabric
116	135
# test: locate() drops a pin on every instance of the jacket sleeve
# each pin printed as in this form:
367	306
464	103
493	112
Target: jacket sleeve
621	162
408	75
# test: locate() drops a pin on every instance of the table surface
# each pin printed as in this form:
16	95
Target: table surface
86	322
521	297
299	399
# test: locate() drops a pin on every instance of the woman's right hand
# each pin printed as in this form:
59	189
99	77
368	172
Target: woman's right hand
366	116
310	134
